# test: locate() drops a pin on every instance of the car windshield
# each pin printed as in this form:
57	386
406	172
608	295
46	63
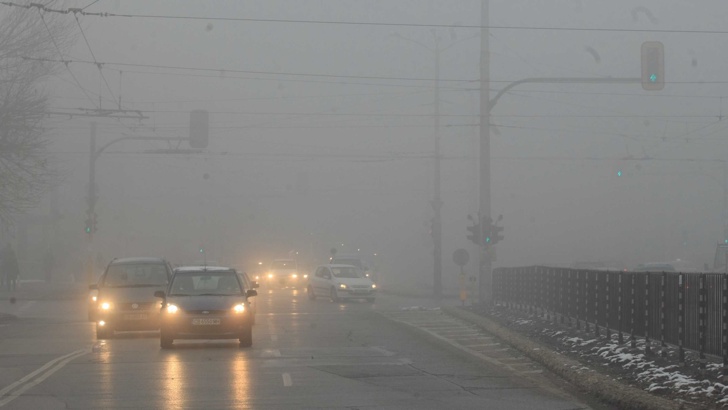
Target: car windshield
346	272
283	265
205	283
353	262
132	275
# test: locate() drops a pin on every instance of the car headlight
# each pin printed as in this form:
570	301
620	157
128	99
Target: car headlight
239	308
342	286
171	308
257	277
270	276
294	276
93	298
374	285
305	276
106	306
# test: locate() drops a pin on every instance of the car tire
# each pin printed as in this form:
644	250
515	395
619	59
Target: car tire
104	333
311	294
165	340
334	297
370	300
246	337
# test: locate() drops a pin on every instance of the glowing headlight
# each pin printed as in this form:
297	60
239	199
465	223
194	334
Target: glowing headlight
374	285
93	298
305	276
294	276
257	277
342	286
270	276
240	308
172	308
106	306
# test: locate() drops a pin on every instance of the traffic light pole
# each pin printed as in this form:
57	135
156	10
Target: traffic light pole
485	288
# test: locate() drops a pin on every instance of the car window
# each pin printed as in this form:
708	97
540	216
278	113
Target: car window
129	275
208	283
346	272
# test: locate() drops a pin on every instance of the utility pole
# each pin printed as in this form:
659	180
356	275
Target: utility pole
91	199
437	198
485	288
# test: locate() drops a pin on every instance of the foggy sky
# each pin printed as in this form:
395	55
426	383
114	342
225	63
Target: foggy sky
287	170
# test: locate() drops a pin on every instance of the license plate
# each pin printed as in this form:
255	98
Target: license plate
205	322
136	316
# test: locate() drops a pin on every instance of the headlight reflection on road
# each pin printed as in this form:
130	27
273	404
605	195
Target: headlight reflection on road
240	378
174	388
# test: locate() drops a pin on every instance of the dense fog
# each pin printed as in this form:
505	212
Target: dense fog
321	134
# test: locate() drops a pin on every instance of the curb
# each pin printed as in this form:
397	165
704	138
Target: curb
598	385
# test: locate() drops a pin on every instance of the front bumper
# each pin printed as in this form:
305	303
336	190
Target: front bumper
183	325
129	320
356	293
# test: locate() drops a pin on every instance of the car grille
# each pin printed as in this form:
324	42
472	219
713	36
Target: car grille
360	287
140	306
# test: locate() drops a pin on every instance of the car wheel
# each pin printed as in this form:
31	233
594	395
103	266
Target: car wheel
246	337
311	294
334	297
165	340
370	300
104	332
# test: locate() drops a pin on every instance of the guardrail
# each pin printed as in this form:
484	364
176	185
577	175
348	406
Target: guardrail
688	310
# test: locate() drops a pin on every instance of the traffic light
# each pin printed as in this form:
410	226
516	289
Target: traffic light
199	128
487	232
474	233
497	235
89	225
653	66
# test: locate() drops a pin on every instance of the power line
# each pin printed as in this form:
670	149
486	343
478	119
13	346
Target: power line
94	57
226	70
359	23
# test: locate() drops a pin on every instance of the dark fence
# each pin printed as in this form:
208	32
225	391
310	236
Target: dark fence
688	310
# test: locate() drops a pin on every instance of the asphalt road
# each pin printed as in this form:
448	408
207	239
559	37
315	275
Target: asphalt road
305	354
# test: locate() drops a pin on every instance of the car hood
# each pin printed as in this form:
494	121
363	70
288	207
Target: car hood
353	281
205	302
138	295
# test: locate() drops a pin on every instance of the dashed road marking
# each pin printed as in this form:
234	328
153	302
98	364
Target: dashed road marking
287	382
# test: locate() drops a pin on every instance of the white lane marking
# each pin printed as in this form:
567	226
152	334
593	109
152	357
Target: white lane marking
382	350
26	306
274	338
27	381
287	382
271	353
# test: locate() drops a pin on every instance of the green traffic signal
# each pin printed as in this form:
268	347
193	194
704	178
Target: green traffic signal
619	173
88	229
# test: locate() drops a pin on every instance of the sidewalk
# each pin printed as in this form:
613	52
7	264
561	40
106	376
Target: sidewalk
41	290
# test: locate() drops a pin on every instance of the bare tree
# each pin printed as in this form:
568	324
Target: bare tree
26	35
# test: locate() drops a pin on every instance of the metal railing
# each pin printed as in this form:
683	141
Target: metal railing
688	310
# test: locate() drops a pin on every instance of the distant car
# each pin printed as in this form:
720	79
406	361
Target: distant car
339	282
284	273
125	295
354	260
206	303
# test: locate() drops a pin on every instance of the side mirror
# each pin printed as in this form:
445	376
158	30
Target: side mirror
93	287
250	293
160	294
256	285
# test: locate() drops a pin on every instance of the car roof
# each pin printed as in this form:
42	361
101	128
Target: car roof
138	260
195	268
